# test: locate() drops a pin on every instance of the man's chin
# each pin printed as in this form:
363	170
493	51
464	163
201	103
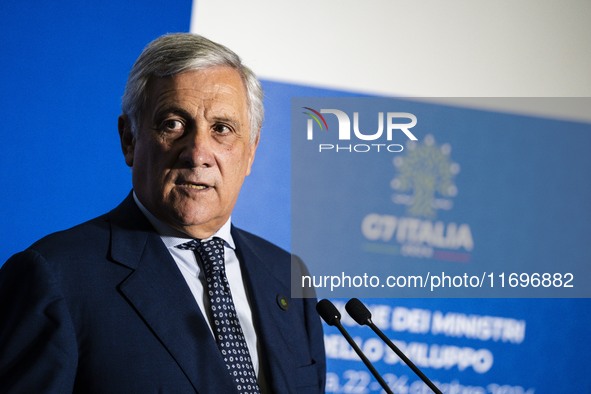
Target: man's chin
198	226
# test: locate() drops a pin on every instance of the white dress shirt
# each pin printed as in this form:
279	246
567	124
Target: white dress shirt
191	270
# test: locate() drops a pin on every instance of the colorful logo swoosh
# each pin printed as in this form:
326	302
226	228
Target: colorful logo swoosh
317	116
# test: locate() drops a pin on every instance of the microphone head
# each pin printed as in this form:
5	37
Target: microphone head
358	311
328	312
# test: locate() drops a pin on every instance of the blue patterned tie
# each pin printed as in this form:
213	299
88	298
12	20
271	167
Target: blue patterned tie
226	326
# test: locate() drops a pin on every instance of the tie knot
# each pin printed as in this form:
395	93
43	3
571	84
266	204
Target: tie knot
211	253
215	245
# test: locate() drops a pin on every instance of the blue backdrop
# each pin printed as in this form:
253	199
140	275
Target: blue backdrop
63	69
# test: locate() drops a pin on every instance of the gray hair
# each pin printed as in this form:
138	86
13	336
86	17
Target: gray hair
172	54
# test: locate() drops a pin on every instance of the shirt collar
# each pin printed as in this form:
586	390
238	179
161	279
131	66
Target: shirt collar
173	237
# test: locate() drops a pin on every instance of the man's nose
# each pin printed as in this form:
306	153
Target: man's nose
197	151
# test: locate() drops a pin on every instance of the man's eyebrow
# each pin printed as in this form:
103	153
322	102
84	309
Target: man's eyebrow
227	119
173	109
166	110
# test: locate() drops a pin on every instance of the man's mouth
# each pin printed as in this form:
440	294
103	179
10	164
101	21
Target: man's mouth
198	187
194	186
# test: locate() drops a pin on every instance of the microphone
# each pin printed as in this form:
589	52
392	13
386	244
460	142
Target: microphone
359	312
332	317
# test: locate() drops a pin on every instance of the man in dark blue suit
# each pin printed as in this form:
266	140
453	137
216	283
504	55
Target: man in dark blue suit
122	303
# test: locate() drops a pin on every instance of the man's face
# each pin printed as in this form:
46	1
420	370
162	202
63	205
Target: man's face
192	149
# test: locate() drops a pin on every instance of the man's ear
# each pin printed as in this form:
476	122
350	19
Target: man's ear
253	148
127	139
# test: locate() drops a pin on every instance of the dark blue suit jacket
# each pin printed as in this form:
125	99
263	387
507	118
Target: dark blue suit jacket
103	308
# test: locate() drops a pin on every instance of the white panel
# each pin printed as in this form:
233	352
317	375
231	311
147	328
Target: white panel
429	48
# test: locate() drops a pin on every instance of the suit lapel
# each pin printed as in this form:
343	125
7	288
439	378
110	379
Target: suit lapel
265	288
159	294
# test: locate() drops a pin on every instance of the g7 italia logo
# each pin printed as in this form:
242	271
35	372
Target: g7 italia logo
424	182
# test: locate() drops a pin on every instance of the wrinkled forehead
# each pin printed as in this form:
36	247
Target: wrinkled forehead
215	87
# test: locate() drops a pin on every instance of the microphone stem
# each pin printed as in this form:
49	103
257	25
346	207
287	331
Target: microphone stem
365	360
408	362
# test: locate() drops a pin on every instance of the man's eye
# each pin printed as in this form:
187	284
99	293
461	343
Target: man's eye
221	128
172	126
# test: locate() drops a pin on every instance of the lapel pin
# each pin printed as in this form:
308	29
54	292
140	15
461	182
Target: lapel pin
282	302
